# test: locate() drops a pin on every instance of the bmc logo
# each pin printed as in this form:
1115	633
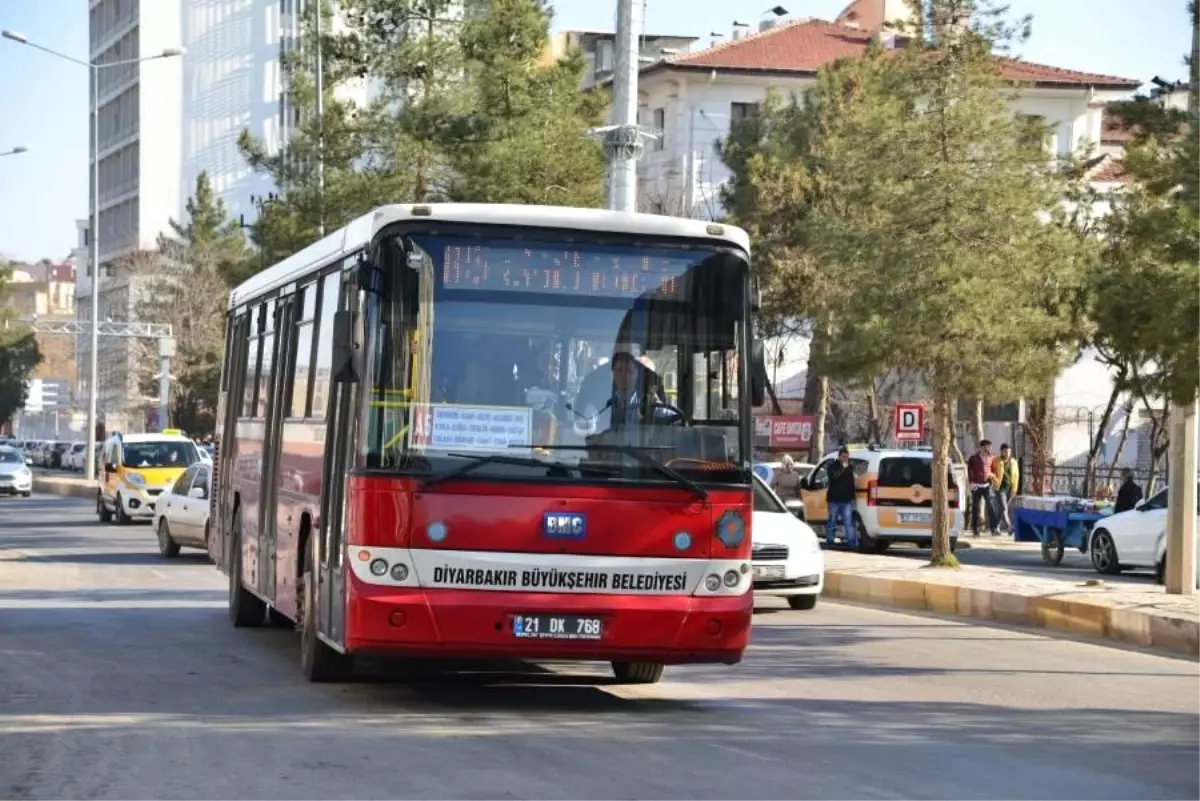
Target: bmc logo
564	524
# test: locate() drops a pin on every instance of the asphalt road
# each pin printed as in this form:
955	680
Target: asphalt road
120	678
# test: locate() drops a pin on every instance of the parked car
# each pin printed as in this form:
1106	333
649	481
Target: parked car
1133	539
785	555
15	475
181	512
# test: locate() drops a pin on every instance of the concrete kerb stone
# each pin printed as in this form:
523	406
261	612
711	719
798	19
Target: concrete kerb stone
1133	626
67	488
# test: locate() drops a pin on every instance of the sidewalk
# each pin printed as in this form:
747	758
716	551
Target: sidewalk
71	486
1142	614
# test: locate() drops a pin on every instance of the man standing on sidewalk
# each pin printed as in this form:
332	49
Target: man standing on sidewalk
1008	478
1129	494
839	498
979	476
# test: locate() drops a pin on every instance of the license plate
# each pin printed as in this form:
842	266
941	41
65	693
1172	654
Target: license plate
768	571
915	517
557	627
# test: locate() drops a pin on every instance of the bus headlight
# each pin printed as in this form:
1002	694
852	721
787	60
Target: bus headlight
712	582
399	571
732	577
379	567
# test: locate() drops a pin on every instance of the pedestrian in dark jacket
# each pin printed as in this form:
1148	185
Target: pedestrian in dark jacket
839	498
1129	494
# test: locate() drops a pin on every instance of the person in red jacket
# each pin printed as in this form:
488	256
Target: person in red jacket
981	479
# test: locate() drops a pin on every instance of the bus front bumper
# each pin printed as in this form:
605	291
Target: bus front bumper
474	624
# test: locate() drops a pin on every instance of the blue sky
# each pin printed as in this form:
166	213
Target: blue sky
43	100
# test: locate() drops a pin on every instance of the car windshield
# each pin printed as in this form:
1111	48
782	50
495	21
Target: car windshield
159	454
765	500
569	353
8	456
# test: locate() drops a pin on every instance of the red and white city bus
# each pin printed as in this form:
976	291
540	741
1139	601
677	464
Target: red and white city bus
455	431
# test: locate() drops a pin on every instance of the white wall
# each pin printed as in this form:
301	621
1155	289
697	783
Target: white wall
698	107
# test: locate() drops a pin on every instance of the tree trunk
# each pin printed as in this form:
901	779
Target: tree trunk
818	440
940	420
1098	436
874	434
1160	440
979	428
1112	468
816	389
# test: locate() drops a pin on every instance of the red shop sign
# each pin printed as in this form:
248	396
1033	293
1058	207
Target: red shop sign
791	431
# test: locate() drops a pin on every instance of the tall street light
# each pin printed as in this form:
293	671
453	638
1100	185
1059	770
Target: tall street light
94	68
15	151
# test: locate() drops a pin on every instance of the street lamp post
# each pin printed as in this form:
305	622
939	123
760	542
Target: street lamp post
94	235
15	151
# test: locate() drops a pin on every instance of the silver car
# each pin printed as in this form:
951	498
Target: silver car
15	475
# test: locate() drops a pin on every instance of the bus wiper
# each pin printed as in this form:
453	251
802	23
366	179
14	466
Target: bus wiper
636	453
478	460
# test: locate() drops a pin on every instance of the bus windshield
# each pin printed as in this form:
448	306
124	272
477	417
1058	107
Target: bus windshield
578	361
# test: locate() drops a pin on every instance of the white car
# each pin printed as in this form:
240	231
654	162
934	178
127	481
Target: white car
181	511
785	552
15	475
1133	539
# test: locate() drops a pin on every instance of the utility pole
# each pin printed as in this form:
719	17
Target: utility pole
623	141
1181	492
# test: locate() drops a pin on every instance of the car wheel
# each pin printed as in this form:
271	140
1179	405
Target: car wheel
803	602
1104	553
26	494
122	518
168	547
102	511
1160	571
638	672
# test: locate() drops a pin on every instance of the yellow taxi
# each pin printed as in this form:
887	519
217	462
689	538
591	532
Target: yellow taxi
136	468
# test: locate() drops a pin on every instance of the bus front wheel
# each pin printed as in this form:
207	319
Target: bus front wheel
637	672
318	661
245	608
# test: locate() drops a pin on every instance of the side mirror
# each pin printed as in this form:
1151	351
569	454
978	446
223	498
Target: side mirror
347	358
28	460
109	467
198	493
758	373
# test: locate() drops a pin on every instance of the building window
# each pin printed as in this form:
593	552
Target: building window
659	124
742	111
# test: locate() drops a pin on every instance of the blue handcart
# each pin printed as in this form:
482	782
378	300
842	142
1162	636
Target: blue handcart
1056	530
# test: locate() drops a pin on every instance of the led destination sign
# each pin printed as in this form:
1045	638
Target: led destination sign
565	272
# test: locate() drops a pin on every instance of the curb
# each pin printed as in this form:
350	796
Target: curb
1034	611
70	490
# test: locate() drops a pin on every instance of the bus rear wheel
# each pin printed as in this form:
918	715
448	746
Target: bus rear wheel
319	662
637	672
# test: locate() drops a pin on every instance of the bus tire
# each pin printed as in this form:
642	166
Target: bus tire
319	662
638	672
245	608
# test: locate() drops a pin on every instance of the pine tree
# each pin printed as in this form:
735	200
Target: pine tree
946	217
461	107
185	283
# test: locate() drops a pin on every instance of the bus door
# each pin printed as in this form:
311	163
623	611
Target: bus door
233	390
339	457
277	389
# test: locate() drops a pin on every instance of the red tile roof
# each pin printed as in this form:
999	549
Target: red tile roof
1107	170
807	45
